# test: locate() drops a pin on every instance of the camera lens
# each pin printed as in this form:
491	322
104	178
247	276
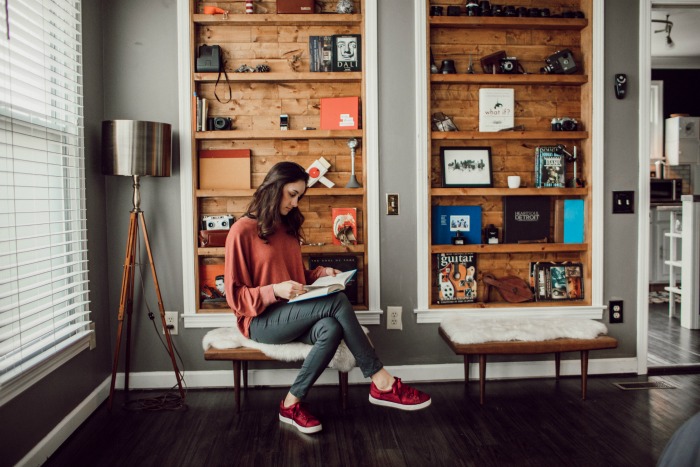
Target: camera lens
473	9
220	123
522	12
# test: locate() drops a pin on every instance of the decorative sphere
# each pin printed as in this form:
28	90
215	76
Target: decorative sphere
345	7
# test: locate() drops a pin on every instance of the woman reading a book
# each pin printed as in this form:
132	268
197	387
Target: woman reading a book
264	269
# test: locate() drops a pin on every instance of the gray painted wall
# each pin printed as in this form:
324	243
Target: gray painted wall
131	72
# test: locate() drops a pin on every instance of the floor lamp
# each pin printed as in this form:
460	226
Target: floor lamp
136	148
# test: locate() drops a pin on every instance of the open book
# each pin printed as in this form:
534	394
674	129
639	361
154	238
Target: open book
325	285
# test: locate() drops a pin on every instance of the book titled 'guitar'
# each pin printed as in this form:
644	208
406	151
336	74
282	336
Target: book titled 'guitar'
456	275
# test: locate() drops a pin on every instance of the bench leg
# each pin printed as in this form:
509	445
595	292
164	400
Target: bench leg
343	383
237	383
557	363
584	373
466	369
482	378
245	375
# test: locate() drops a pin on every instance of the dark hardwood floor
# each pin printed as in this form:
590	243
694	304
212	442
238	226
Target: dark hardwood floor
536	422
668	342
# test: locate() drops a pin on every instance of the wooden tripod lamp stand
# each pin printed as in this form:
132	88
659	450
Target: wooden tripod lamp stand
135	149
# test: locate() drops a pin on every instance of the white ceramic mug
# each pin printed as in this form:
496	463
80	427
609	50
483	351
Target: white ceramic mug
513	181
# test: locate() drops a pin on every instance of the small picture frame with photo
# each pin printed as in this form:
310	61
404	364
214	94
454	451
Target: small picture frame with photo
466	167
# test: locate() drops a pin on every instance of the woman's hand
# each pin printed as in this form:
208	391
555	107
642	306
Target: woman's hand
331	271
288	290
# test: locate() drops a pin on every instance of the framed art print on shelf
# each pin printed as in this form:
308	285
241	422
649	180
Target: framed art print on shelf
466	167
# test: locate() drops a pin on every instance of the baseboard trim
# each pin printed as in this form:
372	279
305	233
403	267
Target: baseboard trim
284	377
415	373
71	422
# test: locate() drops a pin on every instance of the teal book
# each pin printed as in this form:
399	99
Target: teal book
574	216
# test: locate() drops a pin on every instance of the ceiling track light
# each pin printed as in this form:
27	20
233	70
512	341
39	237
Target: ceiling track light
668	26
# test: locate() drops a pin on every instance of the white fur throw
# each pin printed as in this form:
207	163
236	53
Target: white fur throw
231	338
464	330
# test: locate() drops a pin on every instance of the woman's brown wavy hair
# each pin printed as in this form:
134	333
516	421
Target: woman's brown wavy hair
265	206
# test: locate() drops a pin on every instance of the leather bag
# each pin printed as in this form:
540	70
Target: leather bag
512	288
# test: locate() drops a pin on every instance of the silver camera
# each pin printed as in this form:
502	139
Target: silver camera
218	222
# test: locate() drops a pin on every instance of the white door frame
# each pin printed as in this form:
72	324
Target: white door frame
644	148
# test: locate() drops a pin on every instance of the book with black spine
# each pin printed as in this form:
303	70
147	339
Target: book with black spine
526	219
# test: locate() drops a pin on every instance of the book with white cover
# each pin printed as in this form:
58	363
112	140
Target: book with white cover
325	285
496	109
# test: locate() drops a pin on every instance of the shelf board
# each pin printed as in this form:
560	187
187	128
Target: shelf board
510	248
313	191
281	77
674	264
222	307
478	305
509	135
673	235
509	191
329	19
484	22
331	249
277	134
550	80
305	249
675	290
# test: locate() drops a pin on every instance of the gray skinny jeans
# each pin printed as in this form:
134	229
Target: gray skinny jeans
321	322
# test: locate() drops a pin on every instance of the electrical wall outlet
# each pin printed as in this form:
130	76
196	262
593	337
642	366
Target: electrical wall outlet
615	310
393	317
171	322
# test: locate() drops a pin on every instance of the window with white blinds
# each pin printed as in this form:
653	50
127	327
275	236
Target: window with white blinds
44	305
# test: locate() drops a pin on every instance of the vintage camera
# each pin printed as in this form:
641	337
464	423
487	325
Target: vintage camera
218	222
509	66
209	59
222	123
492	63
442	122
564	124
560	62
454	10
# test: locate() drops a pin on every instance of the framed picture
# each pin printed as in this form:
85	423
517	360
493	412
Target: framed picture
466	167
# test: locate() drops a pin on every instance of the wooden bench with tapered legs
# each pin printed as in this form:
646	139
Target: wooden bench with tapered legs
240	356
555	346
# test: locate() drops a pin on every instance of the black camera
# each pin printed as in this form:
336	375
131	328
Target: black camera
564	124
209	59
454	10
223	123
560	62
509	66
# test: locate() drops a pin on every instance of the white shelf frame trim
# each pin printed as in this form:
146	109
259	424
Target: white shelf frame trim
425	314
192	319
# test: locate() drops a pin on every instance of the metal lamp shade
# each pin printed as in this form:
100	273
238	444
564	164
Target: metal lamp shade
131	147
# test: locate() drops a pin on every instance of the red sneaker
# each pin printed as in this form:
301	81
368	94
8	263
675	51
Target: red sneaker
400	396
299	417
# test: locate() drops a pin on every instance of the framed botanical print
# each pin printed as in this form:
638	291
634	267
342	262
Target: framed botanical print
466	167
